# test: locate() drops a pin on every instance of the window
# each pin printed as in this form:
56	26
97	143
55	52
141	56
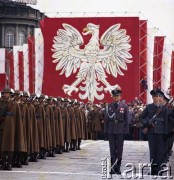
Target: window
21	38
9	39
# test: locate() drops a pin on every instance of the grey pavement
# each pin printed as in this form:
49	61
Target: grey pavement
89	163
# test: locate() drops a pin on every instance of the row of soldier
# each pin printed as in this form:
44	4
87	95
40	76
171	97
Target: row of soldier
33	128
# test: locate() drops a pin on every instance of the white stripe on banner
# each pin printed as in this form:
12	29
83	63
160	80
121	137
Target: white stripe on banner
26	67
150	49
166	67
16	66
2	60
39	60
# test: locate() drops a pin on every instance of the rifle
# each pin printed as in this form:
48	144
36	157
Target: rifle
30	99
168	104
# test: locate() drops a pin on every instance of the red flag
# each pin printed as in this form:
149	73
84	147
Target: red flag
157	60
110	33
11	69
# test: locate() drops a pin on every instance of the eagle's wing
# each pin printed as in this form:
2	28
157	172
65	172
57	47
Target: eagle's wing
67	53
115	53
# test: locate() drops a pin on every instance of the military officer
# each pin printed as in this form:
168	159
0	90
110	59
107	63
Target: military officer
115	126
154	125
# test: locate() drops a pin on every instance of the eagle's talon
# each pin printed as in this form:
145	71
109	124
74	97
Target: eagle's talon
110	88
69	89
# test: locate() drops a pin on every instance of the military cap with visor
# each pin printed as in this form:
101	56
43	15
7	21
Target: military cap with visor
116	92
154	92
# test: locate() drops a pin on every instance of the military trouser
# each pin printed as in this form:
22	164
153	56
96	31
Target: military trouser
170	143
116	147
157	149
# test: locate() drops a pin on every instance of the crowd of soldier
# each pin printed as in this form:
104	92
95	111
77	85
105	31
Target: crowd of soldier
33	127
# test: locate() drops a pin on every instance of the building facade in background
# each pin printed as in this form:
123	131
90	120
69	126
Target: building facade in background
17	22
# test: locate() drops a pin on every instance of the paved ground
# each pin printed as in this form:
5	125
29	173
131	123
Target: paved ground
86	164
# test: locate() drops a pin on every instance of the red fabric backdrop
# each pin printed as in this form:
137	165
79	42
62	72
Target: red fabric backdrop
11	69
2	81
157	60
53	82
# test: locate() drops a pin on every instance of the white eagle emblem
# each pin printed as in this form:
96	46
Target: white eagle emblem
92	62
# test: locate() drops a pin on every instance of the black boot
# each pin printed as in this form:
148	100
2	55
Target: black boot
35	157
18	160
52	152
4	161
66	147
78	144
71	146
113	164
57	150
117	167
74	144
44	153
25	159
60	149
8	167
3	166
9	161
40	156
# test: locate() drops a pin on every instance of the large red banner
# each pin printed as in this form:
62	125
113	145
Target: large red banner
84	58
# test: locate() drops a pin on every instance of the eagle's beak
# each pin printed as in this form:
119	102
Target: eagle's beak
85	29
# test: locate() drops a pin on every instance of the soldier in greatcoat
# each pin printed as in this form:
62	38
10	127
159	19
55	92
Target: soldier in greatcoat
26	126
73	126
34	130
78	116
10	117
116	125
66	123
20	134
89	122
41	124
59	125
85	121
95	117
49	122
